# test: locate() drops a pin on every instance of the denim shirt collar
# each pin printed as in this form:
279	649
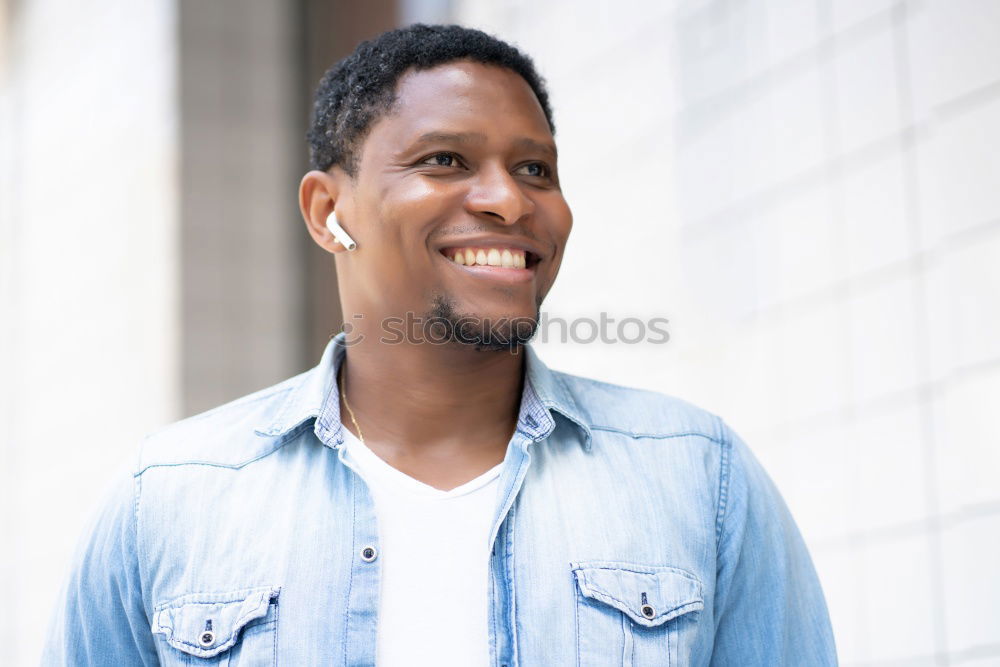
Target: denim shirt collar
314	395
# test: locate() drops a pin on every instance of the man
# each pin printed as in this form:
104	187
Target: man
431	493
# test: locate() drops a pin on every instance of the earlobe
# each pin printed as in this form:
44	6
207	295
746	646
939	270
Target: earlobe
339	233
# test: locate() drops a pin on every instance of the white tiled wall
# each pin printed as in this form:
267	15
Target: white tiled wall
807	190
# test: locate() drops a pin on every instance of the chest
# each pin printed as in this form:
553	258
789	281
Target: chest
585	567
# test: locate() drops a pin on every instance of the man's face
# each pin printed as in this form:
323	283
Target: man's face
463	166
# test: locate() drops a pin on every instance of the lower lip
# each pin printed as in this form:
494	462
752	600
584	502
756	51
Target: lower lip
498	273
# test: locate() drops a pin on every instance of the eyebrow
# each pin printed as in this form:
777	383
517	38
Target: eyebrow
479	138
525	142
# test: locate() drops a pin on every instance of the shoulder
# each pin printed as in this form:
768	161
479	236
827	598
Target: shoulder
640	413
225	436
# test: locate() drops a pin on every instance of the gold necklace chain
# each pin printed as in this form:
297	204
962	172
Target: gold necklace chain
351	412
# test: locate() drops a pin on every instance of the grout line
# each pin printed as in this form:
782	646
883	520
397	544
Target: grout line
967	101
954	658
878	406
935	525
922	347
975	653
839	232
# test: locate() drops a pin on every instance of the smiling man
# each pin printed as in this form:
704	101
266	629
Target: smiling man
431	493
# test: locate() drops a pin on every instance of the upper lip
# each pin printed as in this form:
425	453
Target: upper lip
531	247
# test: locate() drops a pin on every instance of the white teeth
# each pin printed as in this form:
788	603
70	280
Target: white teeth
510	258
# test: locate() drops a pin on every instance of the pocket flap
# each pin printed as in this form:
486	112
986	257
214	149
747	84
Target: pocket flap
206	624
649	595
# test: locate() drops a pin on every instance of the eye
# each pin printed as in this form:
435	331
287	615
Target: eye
536	169
442	160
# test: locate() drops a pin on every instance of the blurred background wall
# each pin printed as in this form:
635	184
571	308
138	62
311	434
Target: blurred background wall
804	188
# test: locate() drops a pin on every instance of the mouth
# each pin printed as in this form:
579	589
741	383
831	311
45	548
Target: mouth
506	263
493	256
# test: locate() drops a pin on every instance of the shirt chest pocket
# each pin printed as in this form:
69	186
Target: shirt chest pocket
635	615
236	628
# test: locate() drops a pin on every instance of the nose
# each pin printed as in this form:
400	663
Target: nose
499	196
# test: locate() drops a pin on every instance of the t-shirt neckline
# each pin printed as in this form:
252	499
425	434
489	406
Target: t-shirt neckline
403	482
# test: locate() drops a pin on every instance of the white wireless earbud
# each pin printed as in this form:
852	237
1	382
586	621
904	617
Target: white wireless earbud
338	232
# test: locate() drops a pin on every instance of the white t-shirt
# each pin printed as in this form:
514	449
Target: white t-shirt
434	560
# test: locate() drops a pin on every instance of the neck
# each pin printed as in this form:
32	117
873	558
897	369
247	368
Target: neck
415	398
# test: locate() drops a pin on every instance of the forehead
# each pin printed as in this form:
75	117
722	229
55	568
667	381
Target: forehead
463	96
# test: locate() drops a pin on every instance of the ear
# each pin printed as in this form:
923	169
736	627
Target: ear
319	192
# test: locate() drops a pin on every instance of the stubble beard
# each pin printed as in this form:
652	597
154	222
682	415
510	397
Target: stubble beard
504	333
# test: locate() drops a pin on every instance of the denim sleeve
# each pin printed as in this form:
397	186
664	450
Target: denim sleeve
99	618
769	607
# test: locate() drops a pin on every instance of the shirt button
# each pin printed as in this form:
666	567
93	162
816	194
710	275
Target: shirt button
369	553
647	611
206	639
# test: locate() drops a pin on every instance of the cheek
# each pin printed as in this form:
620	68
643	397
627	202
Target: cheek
413	206
405	212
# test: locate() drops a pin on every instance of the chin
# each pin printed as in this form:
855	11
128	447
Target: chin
482	331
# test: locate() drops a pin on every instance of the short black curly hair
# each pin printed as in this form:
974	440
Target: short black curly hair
361	88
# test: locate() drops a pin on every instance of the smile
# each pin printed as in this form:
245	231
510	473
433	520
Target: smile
504	263
509	258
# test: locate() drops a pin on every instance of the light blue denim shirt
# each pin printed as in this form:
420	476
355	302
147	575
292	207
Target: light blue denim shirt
630	528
